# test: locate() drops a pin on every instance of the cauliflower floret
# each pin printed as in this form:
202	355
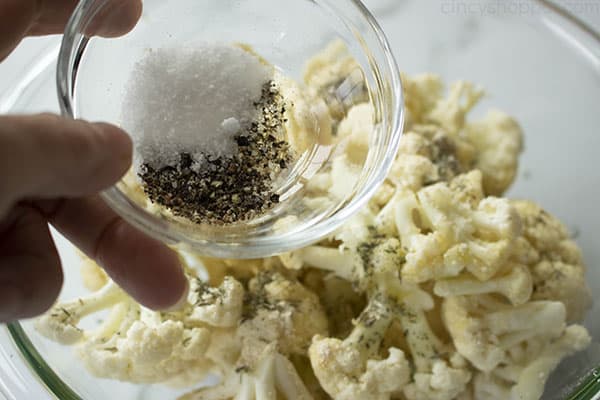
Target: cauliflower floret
427	155
536	319
445	382
325	68
451	154
443	236
451	112
516	286
558	272
494	228
382	196
149	352
483	334
355	132
345	174
422	161
308	121
342	262
424	248
274	377
565	283
137	345
279	310
540	228
424	345
220	307
530	385
491	145
336	77
421	93
469	336
350	368
413	172
341	302
357	230
280	318
498	139
60	323
374	262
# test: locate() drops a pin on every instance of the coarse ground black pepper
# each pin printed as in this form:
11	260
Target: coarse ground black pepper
228	189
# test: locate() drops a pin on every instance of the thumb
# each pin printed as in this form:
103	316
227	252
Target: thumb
46	156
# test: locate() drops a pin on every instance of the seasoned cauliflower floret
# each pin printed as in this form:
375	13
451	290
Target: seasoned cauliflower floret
451	112
558	273
279	310
469	335
516	285
445	382
220	306
498	140
351	369
422	92
149	353
443	236
60	323
308	121
491	145
482	335
273	374
356	131
531	381
427	154
565	283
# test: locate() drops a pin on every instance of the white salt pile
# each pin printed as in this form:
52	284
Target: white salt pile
192	100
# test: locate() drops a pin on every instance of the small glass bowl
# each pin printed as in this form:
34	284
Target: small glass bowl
92	76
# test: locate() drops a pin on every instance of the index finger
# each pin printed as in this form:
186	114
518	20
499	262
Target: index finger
45	156
144	267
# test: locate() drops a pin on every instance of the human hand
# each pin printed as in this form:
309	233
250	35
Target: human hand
51	171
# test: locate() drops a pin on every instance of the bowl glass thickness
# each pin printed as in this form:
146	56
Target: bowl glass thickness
538	65
93	75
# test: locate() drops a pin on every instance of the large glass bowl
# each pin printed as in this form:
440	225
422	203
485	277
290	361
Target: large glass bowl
93	77
538	64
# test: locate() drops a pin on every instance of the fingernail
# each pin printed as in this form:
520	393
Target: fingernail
10	303
182	301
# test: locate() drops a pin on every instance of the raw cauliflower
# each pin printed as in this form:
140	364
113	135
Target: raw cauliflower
444	236
498	141
350	368
437	289
558	272
491	145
